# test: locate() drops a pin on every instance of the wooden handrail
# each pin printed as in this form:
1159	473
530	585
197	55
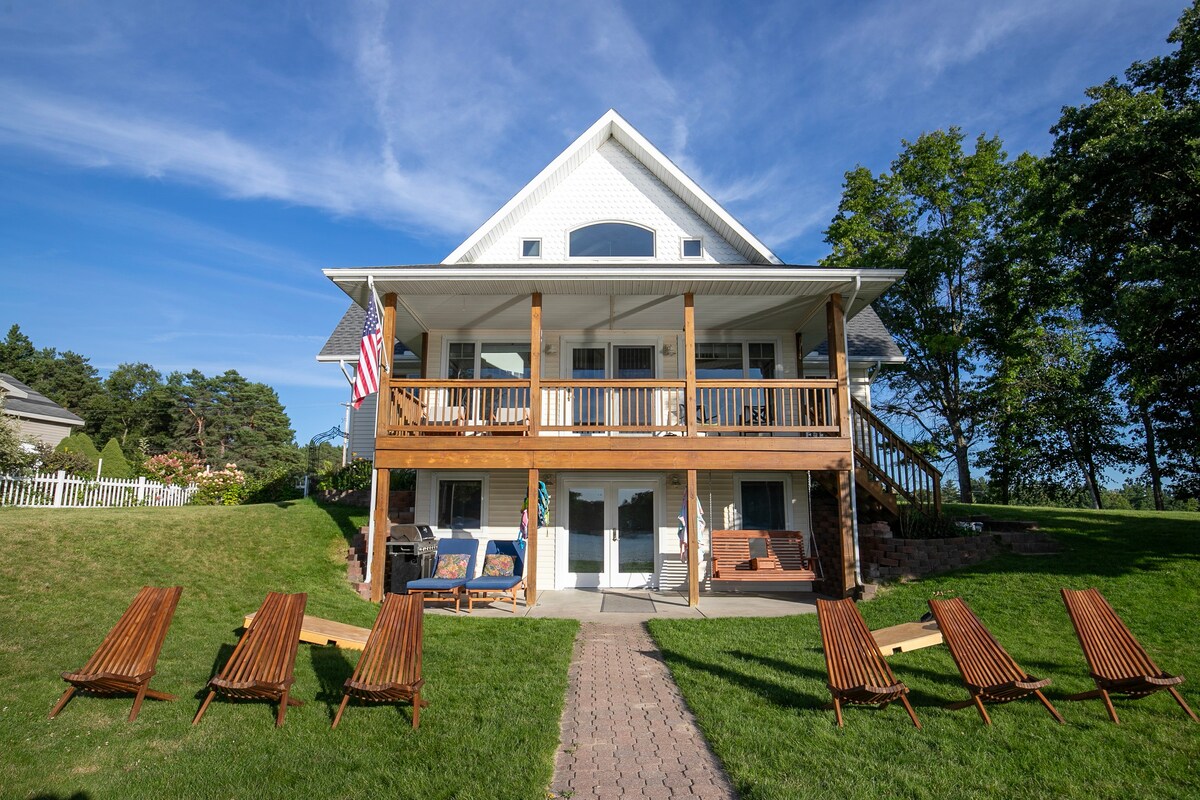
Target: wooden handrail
890	460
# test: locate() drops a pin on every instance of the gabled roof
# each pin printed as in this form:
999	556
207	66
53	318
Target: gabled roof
21	401
343	343
867	339
613	125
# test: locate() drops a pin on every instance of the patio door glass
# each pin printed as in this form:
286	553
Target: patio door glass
610	533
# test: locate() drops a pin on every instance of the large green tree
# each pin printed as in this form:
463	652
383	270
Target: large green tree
67	378
1124	192
935	214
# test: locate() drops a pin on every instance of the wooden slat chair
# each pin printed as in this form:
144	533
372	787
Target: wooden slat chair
486	586
1118	662
990	673
755	555
263	663
857	672
125	661
433	588
389	670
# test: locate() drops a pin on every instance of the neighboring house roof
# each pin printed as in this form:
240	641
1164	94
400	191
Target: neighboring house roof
867	339
21	401
343	343
612	126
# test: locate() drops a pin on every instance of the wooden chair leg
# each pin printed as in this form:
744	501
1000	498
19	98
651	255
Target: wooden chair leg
62	701
1049	707
1179	699
1112	712
911	714
203	707
338	716
982	711
137	701
837	710
416	710
283	705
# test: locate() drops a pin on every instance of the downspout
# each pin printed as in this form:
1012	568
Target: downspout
853	466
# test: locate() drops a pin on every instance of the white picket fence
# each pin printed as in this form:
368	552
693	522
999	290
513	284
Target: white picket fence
60	490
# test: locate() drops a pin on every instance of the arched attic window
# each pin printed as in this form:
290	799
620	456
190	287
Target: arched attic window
612	240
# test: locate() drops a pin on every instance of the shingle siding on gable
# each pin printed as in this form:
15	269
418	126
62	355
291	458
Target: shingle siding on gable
610	185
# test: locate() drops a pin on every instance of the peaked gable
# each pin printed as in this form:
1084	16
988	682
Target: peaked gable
612	173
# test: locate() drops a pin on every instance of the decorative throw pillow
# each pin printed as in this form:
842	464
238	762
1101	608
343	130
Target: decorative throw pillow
452	566
498	566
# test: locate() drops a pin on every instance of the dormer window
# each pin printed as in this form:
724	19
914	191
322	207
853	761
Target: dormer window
531	248
612	240
693	248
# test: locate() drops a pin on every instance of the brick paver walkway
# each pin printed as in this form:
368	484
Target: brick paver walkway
625	729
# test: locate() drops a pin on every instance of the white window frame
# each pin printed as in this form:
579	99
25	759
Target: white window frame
567	242
744	342
521	251
478	340
686	239
566	343
435	492
759	477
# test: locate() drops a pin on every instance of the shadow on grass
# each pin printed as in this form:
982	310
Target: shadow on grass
344	516
333	669
56	796
777	694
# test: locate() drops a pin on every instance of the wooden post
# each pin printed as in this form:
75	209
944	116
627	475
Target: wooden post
383	483
689	362
531	543
383	496
535	364
835	328
693	542
425	354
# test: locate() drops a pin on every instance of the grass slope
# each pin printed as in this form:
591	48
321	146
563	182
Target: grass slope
757	686
496	687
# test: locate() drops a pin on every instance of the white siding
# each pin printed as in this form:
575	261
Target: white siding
45	432
610	185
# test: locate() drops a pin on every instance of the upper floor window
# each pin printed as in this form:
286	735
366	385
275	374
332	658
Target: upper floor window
531	248
693	248
612	240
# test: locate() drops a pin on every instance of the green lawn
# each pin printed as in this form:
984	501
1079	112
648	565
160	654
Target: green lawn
757	686
496	687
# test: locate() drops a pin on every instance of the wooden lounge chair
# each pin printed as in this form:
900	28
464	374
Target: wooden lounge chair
1118	663
990	673
262	664
125	660
857	672
434	588
486	586
389	670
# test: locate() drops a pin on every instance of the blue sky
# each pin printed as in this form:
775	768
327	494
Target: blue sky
174	176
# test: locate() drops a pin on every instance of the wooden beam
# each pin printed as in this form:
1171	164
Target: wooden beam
693	542
689	362
535	364
383	401
425	354
383	496
613	460
531	546
845	575
835	328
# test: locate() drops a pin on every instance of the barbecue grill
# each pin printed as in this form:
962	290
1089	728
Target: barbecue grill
410	552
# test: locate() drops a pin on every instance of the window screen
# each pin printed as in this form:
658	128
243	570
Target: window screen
764	506
460	505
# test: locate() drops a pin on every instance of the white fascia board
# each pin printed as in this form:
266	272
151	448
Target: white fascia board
44	418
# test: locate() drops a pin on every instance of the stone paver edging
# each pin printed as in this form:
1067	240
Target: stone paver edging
625	730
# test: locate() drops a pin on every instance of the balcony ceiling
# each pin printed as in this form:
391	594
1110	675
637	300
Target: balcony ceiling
599	298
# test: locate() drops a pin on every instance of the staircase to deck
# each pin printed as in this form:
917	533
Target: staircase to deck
888	468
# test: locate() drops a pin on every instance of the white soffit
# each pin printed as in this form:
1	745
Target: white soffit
613	125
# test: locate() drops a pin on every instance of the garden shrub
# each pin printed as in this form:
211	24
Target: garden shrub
226	487
918	524
49	459
175	468
114	464
355	475
274	486
79	442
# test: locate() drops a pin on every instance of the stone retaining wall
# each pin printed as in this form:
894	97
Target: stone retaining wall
886	558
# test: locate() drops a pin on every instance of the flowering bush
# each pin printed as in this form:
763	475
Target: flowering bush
174	469
226	487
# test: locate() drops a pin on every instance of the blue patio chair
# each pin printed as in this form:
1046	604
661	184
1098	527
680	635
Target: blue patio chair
432	588
484	586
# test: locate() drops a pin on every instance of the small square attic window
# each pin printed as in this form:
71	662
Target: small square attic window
692	248
531	248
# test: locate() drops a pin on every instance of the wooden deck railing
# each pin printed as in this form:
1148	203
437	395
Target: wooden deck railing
893	462
420	407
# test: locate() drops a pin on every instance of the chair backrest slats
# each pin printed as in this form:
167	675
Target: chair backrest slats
392	654
267	651
980	657
1110	648
131	648
851	655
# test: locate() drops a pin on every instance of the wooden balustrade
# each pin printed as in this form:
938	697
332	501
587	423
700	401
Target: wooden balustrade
891	461
421	407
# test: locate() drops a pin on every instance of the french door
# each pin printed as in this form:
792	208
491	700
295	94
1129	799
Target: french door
608	362
607	539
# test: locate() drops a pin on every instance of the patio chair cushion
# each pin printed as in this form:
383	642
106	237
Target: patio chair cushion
452	566
498	565
492	583
435	584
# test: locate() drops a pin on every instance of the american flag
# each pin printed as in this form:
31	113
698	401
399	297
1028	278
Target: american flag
366	379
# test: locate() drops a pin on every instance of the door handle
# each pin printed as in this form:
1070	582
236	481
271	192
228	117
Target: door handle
614	534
